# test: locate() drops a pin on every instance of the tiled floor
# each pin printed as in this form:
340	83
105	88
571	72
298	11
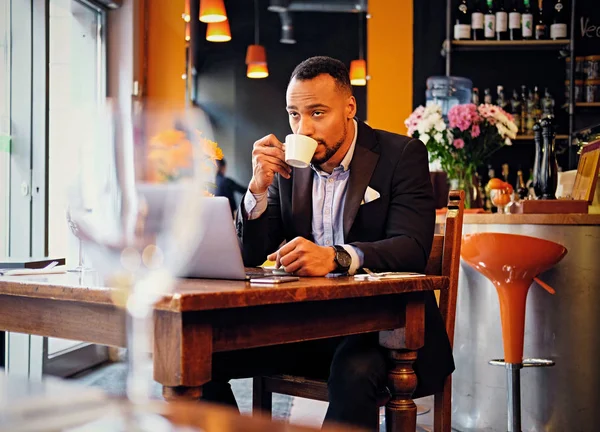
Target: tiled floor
111	378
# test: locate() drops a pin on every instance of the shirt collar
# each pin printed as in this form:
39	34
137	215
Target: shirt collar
345	164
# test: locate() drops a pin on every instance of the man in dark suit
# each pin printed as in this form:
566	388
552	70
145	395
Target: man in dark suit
366	201
225	186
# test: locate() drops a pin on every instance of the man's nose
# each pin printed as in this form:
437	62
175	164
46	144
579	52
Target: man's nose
305	127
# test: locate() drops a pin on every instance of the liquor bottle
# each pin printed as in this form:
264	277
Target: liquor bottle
490	21
548	168
514	22
462	24
501	101
488	201
558	28
515	108
540	27
529	185
521	188
501	22
530	113
547	104
487	96
537	105
477	22
505	172
475	96
523	125
527	21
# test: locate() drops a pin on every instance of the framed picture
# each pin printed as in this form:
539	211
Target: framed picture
587	172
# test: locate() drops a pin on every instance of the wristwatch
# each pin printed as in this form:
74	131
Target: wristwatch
342	259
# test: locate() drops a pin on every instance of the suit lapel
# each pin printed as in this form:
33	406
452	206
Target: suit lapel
362	166
302	201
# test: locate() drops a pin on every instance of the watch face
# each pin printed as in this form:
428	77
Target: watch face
343	258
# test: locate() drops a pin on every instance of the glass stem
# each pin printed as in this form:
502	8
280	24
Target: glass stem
139	374
80	255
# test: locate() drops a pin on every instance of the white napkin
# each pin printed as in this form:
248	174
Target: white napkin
387	276
370	195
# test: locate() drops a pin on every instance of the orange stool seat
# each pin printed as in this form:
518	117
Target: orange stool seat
511	262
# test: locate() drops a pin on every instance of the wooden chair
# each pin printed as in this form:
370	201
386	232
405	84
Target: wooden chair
444	260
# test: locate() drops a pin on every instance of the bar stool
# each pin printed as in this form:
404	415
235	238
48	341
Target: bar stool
512	262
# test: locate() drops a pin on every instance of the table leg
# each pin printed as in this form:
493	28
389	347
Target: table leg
401	411
181	393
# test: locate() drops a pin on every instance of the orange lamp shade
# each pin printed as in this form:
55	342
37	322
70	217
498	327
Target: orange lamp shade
259	70
186	11
212	11
187	32
256	54
218	32
358	72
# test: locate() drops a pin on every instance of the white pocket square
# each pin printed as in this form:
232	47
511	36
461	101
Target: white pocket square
370	195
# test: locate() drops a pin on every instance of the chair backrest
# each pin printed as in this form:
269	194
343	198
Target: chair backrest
444	259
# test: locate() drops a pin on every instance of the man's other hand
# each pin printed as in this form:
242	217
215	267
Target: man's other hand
304	258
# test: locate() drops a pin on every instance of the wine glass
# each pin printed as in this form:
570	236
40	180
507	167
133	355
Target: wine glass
136	207
81	267
501	198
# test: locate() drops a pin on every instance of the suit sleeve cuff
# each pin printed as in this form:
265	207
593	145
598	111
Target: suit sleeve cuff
357	258
255	204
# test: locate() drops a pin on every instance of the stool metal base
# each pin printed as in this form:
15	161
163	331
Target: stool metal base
531	362
513	387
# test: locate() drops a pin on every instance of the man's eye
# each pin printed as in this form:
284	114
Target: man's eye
318	113
293	114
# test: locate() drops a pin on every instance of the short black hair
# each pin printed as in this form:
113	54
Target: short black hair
315	66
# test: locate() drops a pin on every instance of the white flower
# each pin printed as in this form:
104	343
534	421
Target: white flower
507	141
440	126
438	137
424	138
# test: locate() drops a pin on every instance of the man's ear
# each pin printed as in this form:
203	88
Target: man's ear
351	107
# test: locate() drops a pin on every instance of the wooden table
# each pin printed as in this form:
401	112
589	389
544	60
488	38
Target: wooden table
55	404
202	317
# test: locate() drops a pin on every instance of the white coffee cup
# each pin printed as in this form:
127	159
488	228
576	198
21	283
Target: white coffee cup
299	150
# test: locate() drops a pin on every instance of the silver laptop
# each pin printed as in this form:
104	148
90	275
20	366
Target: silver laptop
217	254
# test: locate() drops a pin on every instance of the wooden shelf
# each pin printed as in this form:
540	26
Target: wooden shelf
588	104
530	137
469	45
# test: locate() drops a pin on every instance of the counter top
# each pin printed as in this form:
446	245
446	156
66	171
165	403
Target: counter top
528	219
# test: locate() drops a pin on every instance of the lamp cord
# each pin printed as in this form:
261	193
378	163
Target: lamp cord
360	36
256	28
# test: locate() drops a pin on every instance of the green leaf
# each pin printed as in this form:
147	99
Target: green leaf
5	143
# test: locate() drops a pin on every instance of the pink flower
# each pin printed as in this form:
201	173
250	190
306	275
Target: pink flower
475	131
459	143
463	116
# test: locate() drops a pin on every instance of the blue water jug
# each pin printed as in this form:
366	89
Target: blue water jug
448	91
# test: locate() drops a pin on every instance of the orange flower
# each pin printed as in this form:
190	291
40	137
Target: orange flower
168	138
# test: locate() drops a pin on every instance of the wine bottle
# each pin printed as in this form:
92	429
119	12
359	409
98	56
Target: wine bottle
477	22
462	24
515	108
501	101
521	188
527	21
490	21
540	27
558	28
523	125
487	96
547	104
501	22
514	22
475	96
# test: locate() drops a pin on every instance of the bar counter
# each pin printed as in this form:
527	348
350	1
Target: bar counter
564	327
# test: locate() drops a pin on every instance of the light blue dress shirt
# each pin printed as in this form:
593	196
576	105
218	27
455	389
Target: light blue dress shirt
328	200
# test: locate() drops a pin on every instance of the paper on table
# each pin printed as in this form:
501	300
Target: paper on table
29	272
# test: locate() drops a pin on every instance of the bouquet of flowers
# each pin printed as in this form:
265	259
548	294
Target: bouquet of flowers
171	153
463	141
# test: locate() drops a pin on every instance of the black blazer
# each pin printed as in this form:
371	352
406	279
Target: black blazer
395	231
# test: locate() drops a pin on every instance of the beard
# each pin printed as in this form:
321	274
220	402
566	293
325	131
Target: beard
330	150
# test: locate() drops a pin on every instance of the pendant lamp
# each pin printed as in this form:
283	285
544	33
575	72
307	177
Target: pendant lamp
256	55
218	32
212	11
358	68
